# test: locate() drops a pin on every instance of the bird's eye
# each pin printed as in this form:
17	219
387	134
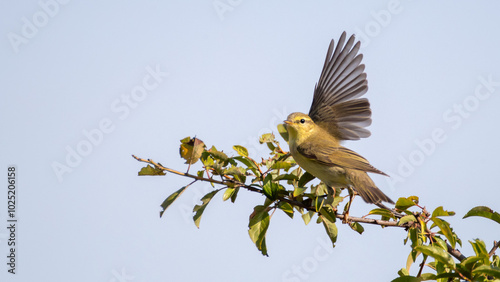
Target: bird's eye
302	121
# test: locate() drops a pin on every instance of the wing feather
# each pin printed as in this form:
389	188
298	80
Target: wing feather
336	106
336	156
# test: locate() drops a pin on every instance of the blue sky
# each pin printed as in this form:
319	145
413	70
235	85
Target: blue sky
86	85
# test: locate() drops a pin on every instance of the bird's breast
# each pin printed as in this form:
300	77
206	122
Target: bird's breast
334	176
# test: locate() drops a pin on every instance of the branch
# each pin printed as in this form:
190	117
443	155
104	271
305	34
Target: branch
455	253
281	198
421	266
234	183
495	247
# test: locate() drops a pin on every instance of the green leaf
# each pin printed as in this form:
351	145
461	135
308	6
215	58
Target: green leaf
438	254
484	212
413	235
281	165
438	266
487	270
233	197
406	219
286	208
299	191
445	275
404	204
258	225
150	170
266	138
495	260
470	261
286	176
271	146
407	279
414	199
331	230
307	217
357	227
218	155
409	262
237	172
445	229
283	132
270	188
228	193
305	178
318	203
440	212
382	212
242	151
267	202
403	272
479	247
328	214
337	201
168	201
199	209
207	159
428	276
320	189
440	243
249	163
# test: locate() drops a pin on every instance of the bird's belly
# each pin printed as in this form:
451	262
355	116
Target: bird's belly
334	176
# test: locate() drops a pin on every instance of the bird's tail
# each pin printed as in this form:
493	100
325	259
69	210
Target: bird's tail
365	187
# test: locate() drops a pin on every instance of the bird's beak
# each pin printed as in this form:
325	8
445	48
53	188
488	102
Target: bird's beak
287	122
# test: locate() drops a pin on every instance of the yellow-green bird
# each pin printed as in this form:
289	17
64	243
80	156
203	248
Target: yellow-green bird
337	113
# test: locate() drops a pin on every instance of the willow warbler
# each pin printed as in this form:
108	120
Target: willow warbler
337	113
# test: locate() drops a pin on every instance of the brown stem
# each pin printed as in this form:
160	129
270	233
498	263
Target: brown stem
149	161
456	253
422	266
495	247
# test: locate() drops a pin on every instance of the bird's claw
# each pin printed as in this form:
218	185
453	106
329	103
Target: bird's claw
346	219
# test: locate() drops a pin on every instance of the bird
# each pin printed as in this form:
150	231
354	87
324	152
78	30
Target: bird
337	113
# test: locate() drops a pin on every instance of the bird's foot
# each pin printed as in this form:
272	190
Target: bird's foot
348	206
346	219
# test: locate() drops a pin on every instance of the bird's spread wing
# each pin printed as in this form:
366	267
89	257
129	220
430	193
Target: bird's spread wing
336	156
336	107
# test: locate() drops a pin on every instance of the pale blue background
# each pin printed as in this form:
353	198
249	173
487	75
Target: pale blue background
231	76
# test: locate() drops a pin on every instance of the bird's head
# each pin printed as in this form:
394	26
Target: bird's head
299	126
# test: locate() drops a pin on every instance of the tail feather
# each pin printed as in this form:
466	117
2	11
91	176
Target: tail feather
364	186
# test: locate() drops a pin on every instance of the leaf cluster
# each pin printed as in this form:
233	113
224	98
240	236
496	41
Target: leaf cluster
432	238
289	189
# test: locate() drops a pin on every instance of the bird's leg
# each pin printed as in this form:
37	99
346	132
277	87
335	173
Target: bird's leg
348	205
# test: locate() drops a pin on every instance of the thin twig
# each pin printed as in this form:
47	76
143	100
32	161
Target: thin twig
149	161
281	150
454	252
495	247
422	266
